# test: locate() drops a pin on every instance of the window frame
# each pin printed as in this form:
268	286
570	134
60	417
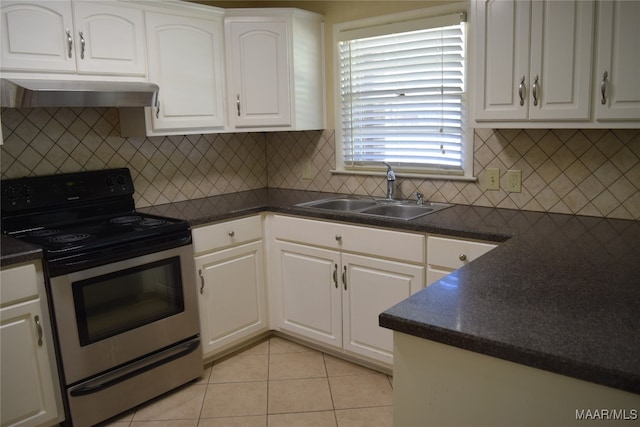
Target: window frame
390	20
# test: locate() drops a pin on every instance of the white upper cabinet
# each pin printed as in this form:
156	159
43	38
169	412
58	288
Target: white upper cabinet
34	36
82	37
617	71
259	72
533	60
109	38
502	52
186	59
561	58
275	69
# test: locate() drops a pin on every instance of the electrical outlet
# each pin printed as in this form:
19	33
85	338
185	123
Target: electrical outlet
492	179
514	181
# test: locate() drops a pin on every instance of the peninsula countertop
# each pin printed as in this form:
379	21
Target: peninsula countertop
560	293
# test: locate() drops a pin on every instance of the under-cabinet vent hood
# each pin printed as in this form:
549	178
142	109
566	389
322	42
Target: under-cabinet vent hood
22	93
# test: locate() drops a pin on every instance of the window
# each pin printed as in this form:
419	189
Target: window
401	100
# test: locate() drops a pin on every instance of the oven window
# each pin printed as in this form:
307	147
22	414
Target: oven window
117	302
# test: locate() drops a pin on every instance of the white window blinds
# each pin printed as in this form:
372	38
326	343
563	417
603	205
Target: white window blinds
402	88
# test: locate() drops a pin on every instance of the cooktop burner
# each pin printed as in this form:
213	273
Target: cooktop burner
125	219
70	238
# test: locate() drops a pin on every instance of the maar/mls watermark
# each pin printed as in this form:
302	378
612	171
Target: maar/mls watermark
607	414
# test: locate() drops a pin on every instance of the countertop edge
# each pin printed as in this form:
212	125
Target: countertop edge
547	362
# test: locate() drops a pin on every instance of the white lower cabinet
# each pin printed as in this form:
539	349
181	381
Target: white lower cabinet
330	282
445	254
30	386
371	286
230	265
311	295
327	281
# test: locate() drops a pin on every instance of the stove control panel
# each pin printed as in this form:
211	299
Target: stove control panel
61	189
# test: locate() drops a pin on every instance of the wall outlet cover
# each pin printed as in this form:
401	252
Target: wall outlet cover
514	181
492	179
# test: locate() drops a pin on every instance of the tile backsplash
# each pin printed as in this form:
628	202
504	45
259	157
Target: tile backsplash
586	172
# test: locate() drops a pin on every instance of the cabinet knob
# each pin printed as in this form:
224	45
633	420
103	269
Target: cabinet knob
338	237
462	257
231	233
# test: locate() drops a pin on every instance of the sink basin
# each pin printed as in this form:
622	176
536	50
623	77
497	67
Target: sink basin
397	209
343	204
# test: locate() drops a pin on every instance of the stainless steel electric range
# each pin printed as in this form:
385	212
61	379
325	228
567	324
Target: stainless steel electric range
121	286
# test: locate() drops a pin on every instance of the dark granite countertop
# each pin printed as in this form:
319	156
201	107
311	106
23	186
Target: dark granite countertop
14	251
562	293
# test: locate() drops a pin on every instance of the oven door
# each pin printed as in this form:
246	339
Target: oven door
110	315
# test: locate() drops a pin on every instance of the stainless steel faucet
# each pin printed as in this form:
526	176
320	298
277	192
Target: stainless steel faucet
391	180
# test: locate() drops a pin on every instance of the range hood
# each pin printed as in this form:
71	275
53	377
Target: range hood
23	93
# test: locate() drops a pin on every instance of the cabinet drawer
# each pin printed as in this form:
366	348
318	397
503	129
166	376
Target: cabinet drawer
220	235
408	247
18	283
454	253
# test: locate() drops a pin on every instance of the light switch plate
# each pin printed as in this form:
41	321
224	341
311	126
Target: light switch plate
514	181
492	179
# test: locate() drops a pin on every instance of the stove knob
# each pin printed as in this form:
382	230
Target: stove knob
10	194
109	181
26	193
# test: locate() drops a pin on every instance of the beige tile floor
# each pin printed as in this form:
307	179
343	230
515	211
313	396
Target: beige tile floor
275	383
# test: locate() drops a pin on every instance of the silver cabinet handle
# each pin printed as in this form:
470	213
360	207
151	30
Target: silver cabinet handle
82	45
344	277
535	90
603	87
39	328
231	233
201	281
69	43
521	89
338	237
462	257
158	110
238	104
335	275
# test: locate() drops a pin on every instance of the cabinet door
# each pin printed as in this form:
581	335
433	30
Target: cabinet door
28	393
618	38
34	36
232	296
258	56
561	58
502	49
371	286
109	39
311	295
185	58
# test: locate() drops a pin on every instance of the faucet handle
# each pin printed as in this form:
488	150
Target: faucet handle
391	175
420	197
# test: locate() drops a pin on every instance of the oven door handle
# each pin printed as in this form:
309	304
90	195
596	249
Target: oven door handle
123	374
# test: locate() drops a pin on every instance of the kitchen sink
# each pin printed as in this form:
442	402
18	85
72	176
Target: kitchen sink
343	204
397	209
